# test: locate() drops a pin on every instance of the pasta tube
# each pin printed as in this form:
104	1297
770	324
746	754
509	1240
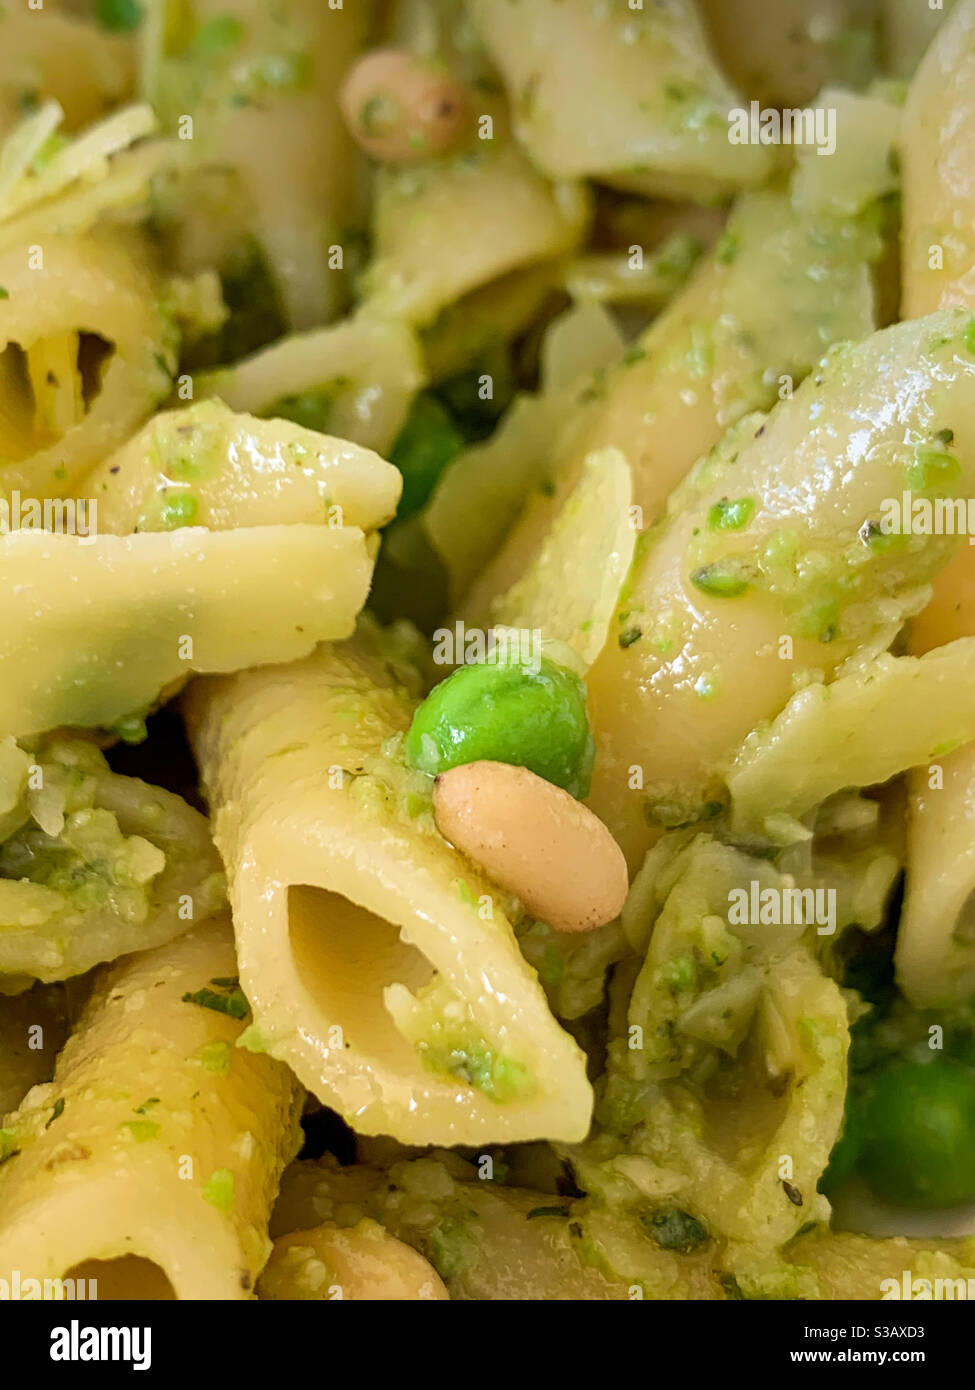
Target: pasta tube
155	1120
932	958
94	865
261	89
207	466
488	1241
443	229
356	380
380	966
33	1027
920	703
56	293
778	558
655	118
84	67
720	349
592	536
361	1262
93	633
140	611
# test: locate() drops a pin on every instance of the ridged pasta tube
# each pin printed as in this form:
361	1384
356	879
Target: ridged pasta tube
379	964
774	561
159	1124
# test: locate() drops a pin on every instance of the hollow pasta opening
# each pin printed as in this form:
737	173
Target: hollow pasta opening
47	388
129	1276
346	957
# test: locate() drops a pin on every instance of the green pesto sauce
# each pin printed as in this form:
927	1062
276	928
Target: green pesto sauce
470	1059
218	1189
311	409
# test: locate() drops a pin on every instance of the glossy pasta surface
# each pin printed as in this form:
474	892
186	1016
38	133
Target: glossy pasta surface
487	650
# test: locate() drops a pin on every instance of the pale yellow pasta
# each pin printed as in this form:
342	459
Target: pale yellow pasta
83	67
266	111
719	623
939	271
919	703
104	865
379	964
655	114
479	323
94	632
490	1240
444	228
939	181
720	349
361	1262
105	171
56	290
795	46
157	1122
569	591
232	470
362	374
492	480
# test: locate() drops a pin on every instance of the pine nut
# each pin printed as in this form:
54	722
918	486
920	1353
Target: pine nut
401	109
535	840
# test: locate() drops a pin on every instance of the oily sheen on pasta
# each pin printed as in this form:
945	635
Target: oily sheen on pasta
379	965
487	645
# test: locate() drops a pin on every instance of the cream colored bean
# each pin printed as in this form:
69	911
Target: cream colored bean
534	839
401	109
359	1262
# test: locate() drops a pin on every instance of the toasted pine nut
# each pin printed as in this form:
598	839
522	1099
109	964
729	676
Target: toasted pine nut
534	839
401	109
358	1262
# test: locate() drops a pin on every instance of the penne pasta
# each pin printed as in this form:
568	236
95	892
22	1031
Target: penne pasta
152	1112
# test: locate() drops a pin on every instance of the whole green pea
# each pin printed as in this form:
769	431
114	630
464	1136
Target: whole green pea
918	1127
846	1150
507	712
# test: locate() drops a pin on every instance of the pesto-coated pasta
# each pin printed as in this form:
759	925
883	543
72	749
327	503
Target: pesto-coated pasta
156	1116
487	652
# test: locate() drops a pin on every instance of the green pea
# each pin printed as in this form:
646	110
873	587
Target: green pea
846	1150
121	16
427	443
919	1134
506	712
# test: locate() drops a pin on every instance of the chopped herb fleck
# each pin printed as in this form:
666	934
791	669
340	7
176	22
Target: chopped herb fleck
218	35
57	1112
218	1189
674	1229
728	248
234	1004
632	635
721	580
930	468
179	511
731	516
142	1130
548	1211
215	1057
